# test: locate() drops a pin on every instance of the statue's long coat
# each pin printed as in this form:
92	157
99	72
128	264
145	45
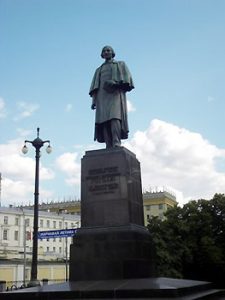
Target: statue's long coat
111	101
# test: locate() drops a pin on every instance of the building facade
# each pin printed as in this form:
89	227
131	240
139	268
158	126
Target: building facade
16	226
156	203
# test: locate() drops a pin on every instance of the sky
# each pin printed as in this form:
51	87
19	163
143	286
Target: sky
49	50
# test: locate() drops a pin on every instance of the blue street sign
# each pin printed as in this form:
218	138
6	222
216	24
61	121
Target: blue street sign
50	234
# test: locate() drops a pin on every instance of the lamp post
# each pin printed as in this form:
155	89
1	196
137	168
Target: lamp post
37	144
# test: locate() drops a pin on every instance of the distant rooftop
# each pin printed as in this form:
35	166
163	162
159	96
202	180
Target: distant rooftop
21	210
157	192
56	204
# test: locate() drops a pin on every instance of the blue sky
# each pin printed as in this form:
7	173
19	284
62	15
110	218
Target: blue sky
174	49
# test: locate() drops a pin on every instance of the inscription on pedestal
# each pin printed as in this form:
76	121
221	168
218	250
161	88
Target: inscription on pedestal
110	189
102	181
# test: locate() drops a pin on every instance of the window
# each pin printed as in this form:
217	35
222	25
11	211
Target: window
16	235
148	217
6	220
60	249
16	221
160	206
28	235
66	224
54	239
27	222
72	225
60	240
27	274
41	223
48	223
60	224
47	249
147	207
54	224
53	249
5	234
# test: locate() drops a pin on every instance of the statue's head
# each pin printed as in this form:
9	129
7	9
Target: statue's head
107	48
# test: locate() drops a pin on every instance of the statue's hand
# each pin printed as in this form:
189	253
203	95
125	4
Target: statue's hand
93	106
110	86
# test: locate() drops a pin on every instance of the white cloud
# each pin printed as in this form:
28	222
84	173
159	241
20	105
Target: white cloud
130	106
13	192
68	164
23	132
68	107
2	108
18	173
175	157
18	192
25	110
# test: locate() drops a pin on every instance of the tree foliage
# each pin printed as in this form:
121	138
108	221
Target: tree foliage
190	242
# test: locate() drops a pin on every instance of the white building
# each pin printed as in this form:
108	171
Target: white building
16	230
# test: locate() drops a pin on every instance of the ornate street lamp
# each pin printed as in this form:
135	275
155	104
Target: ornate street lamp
37	144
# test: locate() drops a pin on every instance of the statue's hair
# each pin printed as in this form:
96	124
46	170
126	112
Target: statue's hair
113	52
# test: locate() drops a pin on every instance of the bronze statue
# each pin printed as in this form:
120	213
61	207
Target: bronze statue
108	90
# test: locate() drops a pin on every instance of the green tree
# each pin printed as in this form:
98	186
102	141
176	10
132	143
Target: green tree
169	246
190	242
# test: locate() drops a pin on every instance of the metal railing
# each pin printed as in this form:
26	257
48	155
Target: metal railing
17	285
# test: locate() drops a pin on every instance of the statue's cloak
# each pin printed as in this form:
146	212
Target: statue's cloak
121	76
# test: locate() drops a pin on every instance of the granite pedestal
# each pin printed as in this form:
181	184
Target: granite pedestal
112	242
111	193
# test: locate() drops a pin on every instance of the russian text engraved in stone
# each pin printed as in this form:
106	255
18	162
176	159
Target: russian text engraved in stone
103	180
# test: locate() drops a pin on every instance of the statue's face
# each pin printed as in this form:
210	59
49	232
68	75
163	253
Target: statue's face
107	53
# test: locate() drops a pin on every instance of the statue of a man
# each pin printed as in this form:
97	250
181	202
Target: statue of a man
108	90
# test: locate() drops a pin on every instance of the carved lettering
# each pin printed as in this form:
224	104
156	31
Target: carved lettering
103	180
102	171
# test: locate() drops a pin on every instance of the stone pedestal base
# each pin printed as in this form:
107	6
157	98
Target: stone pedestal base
112	253
112	242
147	288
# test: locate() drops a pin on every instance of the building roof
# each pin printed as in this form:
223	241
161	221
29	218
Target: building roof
160	194
27	212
